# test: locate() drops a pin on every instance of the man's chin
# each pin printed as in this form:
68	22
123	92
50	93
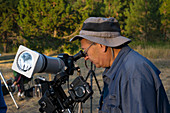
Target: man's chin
98	66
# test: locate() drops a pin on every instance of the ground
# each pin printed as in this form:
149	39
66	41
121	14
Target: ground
30	104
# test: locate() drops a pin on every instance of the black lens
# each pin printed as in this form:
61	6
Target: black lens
80	91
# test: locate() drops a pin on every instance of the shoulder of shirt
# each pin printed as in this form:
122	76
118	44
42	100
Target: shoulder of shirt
136	66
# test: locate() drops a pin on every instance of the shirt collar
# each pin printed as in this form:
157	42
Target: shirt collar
110	72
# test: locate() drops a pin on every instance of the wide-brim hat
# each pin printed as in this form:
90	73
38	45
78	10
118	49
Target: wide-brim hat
105	31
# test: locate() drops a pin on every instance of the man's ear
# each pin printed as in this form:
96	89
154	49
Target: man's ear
104	48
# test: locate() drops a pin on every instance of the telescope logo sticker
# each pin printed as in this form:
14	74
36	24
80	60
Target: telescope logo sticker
25	61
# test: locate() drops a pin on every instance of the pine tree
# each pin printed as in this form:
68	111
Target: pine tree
8	25
25	18
143	19
165	18
42	17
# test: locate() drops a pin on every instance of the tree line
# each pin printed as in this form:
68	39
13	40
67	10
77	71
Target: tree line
49	24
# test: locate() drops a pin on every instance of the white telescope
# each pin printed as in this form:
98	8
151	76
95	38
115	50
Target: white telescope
28	62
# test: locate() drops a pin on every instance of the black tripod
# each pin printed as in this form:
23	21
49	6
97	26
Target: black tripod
91	73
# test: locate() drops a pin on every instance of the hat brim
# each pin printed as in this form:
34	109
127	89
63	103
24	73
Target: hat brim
110	42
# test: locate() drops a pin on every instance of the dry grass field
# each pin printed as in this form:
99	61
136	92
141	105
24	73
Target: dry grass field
30	105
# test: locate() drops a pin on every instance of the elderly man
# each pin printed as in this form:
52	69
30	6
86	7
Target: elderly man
131	82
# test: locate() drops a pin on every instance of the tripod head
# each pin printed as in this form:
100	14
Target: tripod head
55	99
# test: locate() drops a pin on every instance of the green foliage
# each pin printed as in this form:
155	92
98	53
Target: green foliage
41	43
116	8
8	14
49	24
165	18
8	25
71	48
143	20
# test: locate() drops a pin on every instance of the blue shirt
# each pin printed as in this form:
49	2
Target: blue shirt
3	107
132	85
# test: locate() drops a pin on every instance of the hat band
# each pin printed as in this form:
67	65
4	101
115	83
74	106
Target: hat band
100	34
102	27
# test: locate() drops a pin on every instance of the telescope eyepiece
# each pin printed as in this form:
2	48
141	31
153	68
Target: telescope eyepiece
78	55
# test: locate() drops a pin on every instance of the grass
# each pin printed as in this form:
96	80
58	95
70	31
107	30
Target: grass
154	53
152	50
155	44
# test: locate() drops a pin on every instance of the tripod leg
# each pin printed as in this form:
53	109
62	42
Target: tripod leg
91	98
80	108
97	83
92	74
9	90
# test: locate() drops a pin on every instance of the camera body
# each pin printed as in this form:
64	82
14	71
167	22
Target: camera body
80	90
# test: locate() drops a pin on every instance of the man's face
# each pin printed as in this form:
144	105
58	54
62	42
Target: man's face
92	52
